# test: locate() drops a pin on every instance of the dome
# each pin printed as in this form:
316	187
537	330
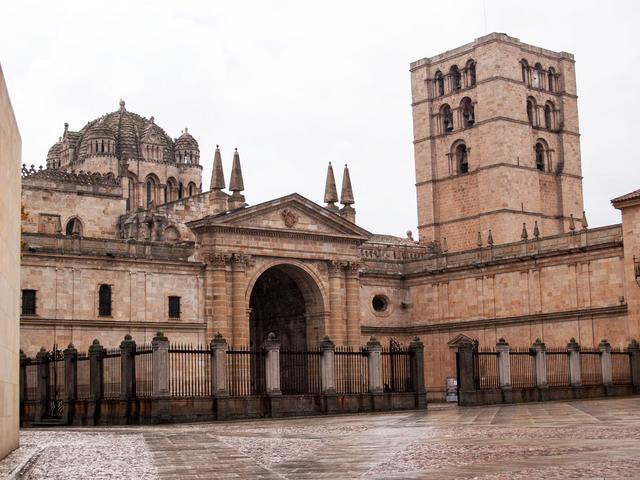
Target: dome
186	142
53	155
128	131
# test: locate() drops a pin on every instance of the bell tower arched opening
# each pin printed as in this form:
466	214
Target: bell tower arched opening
287	301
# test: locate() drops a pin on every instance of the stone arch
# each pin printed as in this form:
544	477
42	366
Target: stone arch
289	298
73	226
171	234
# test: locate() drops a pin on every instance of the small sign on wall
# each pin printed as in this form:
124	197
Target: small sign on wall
452	389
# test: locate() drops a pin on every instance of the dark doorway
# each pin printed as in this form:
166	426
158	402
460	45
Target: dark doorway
286	300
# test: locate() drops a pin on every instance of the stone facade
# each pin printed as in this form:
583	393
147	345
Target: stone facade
489	263
10	152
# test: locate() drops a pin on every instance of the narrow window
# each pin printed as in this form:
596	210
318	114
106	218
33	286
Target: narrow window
129	193
149	192
439	84
174	307
165	194
548	121
540	157
190	190
466	107
104	301
73	227
531	111
462	158
537	76
28	302
447	118
551	79
525	71
180	190
455	78
471	72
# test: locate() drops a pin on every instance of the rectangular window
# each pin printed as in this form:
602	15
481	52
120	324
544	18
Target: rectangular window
28	302
174	307
104	301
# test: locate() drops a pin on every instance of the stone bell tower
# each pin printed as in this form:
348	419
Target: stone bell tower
496	143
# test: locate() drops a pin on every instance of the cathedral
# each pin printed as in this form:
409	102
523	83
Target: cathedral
120	236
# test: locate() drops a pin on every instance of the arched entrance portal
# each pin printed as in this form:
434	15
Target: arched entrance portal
286	300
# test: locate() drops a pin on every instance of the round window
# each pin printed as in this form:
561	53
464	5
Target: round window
380	303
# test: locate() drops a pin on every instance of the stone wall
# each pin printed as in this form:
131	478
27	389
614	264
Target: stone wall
10	153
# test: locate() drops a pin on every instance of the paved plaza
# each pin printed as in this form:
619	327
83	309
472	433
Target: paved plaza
579	439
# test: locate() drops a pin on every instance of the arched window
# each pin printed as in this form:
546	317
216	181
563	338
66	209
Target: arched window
531	111
446	116
439	83
191	192
130	190
471	72
455	78
548	116
172	189
536	80
466	107
180	190
462	158
551	79
540	153
525	70
166	193
104	300
74	227
150	191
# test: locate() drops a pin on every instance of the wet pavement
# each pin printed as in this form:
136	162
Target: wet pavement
579	439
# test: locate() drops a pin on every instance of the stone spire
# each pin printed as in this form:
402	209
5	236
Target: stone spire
236	184
524	235
479	241
346	197
572	223
217	174
330	190
490	238
585	225
536	230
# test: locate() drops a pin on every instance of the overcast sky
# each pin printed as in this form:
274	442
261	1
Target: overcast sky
297	84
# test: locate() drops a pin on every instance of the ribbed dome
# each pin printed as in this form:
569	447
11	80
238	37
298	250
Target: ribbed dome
186	142
53	155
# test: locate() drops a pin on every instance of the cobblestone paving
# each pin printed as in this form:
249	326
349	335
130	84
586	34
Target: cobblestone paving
581	439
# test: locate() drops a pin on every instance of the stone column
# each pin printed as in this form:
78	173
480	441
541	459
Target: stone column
504	364
605	360
240	322
96	372
216	295
634	354
42	387
418	371
219	366
127	368
541	363
272	364
353	303
70	355
337	328
575	378
160	361
374	364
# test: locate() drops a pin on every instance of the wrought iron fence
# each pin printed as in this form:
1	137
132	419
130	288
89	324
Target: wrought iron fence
590	366
396	369
352	375
557	363
83	391
56	393
144	370
522	362
31	374
621	367
245	371
485	369
112	373
300	372
189	370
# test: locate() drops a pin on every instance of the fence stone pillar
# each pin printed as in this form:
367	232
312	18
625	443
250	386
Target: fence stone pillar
504	364
127	368
605	359
96	372
42	386
328	375
541	363
160	362
219	366
575	375
272	364
374	365
70	355
417	372
466	384
24	361
634	354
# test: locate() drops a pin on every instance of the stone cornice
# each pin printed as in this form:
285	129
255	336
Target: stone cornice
476	323
115	324
497	165
282	233
493	212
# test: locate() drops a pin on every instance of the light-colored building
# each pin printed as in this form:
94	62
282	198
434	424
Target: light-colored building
504	249
10	152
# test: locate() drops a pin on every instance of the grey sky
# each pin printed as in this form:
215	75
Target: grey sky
295	85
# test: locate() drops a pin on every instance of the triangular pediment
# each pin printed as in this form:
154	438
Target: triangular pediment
293	213
459	339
